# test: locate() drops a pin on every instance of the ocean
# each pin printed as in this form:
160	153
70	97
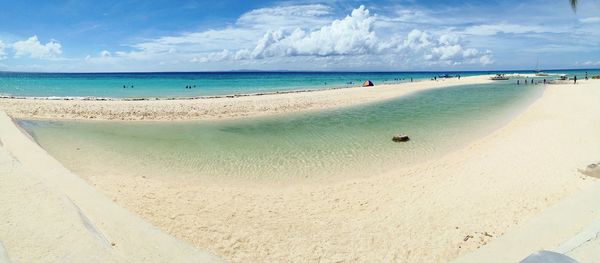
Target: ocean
173	85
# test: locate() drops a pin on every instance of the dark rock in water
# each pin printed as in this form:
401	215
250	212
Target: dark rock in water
592	170
400	138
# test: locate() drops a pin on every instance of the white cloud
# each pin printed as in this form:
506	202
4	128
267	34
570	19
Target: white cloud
247	29
590	20
286	16
486	59
35	49
449	49
591	63
291	33
352	35
417	40
493	29
2	50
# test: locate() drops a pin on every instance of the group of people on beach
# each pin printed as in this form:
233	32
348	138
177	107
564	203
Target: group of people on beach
526	81
444	76
186	86
574	79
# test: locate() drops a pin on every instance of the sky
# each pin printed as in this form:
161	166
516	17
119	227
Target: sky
328	35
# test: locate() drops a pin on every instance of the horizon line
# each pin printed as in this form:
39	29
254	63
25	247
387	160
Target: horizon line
285	71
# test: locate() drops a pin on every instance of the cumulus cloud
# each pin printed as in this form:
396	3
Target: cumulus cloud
417	40
34	49
247	29
307	31
449	49
354	35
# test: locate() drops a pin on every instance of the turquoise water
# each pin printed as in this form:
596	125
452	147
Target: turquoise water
150	85
351	141
161	85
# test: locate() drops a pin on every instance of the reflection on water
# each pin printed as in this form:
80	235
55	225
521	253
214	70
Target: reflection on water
340	142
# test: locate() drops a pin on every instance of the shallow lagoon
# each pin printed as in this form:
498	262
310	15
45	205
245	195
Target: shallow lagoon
337	143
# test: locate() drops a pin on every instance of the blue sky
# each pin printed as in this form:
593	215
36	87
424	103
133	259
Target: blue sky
83	36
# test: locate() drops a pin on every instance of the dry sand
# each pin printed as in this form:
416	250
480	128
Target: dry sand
432	212
218	108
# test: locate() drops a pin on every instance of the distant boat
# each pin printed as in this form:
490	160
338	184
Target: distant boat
499	77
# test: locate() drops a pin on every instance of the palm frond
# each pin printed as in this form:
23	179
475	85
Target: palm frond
574	5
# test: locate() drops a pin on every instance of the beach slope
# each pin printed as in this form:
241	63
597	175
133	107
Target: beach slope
49	214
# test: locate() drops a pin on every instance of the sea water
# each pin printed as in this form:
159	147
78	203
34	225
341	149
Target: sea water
171	85
333	143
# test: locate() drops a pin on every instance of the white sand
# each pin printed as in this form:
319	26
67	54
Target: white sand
571	227
218	108
432	212
48	214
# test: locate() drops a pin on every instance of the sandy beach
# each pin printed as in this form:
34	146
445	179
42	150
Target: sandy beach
219	108
300	131
431	212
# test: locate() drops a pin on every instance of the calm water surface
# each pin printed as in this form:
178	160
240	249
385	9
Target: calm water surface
351	141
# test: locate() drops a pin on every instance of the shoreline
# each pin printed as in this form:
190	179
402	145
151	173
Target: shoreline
235	95
468	197
211	108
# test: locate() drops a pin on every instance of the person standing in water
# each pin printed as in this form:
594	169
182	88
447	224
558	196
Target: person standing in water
575	79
